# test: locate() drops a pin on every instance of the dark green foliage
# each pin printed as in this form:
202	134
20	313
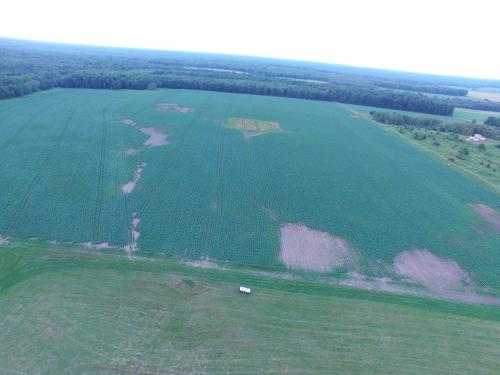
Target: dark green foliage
28	67
463	153
419	136
493	121
481	147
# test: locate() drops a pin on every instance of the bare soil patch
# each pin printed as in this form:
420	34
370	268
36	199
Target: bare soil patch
422	267
132	246
131	151
491	216
97	246
305	248
4	240
173	107
492	96
156	137
128	121
130	186
253	126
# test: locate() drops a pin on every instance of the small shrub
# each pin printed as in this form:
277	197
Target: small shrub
481	147
463	153
436	143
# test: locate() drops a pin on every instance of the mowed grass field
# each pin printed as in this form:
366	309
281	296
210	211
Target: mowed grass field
66	310
129	168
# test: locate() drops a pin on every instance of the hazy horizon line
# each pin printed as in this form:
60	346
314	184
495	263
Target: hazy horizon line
422	73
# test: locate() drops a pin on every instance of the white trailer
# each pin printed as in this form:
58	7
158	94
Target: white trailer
244	290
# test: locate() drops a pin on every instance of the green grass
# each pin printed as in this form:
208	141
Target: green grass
209	191
470	115
68	310
482	164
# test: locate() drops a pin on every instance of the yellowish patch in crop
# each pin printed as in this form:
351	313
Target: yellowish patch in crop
253	125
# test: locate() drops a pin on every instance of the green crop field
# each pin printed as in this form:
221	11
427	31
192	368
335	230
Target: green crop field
69	311
160	172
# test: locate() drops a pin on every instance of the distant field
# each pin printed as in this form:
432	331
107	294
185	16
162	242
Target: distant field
161	172
492	96
66	310
460	114
471	114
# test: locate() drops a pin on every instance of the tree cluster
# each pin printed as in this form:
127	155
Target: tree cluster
467	129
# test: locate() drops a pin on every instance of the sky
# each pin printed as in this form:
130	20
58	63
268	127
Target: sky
458	37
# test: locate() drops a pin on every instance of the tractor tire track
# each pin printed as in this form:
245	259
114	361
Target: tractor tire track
100	182
27	194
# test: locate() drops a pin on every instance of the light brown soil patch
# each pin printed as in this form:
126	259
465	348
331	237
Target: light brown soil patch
132	246
128	121
422	267
131	151
173	107
491	216
156	137
97	246
130	186
253	125
309	249
492	96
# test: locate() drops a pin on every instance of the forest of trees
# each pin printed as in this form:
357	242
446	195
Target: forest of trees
27	67
392	118
419	87
492	121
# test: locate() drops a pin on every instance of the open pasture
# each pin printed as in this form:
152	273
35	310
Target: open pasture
157	171
68	311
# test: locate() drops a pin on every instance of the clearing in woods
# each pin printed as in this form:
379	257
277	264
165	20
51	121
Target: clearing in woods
155	172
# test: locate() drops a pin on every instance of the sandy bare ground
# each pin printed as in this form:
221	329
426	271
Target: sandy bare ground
489	95
491	216
97	246
130	186
249	135
4	240
128	121
156	137
173	107
131	151
422	267
253	126
305	248
132	246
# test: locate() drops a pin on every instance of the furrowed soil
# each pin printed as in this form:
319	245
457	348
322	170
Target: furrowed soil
196	189
70	310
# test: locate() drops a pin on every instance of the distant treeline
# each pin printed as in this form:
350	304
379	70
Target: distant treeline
27	67
418	87
492	121
480	105
468	128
